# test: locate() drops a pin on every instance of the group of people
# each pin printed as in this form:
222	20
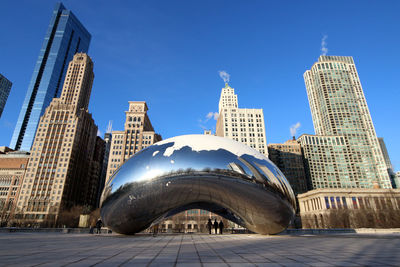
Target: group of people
216	225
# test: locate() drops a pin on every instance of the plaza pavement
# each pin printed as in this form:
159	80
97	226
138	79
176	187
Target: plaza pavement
56	249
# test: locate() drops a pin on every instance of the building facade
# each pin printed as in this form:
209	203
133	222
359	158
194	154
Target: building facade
397	180
5	88
345	152
138	134
289	159
12	170
208	132
350	208
240	124
65	161
388	162
65	36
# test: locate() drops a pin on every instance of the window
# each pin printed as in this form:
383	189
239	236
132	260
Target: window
333	203
327	203
339	204
361	202
354	200
344	202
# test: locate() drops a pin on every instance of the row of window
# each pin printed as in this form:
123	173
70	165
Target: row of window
337	202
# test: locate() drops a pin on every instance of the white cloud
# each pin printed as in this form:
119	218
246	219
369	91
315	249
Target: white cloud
216	115
224	76
203	122
324	43
212	115
293	128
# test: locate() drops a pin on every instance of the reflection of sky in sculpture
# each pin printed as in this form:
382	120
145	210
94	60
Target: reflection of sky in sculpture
149	164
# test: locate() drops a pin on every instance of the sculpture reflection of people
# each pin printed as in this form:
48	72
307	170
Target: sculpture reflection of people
221	227
209	225
216	226
99	224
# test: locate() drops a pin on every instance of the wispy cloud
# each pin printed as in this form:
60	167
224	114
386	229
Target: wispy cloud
224	76
109	127
324	44
294	128
213	115
209	116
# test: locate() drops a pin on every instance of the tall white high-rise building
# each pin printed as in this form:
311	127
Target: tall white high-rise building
345	151
241	124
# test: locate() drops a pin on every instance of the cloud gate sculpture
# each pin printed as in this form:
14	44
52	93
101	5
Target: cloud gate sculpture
198	171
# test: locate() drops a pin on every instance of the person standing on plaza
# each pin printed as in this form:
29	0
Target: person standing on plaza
99	224
216	226
221	227
209	225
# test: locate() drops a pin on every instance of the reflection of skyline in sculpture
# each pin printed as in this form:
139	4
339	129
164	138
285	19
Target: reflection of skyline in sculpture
198	171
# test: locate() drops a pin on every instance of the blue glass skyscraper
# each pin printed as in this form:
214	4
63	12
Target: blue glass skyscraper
65	36
5	87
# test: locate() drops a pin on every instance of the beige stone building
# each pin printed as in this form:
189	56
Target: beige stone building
289	159
350	208
208	132
240	124
12	169
138	134
63	166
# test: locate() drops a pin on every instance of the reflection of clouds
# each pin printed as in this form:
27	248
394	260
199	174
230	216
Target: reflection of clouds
155	153
172	161
201	142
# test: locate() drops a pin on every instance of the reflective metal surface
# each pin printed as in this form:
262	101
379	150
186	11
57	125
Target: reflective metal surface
198	171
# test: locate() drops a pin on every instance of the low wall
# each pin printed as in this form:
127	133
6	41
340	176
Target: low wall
339	231
52	230
286	232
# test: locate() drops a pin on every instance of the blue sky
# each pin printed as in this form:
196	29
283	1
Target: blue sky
168	53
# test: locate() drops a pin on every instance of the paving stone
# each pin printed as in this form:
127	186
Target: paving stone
53	249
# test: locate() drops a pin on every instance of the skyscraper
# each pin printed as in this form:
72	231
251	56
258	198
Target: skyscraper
389	166
289	159
65	37
5	87
345	151
241	124
138	134
66	157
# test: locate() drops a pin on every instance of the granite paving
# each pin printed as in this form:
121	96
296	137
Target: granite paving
56	249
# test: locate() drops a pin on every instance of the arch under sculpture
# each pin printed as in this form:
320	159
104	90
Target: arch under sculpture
198	171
